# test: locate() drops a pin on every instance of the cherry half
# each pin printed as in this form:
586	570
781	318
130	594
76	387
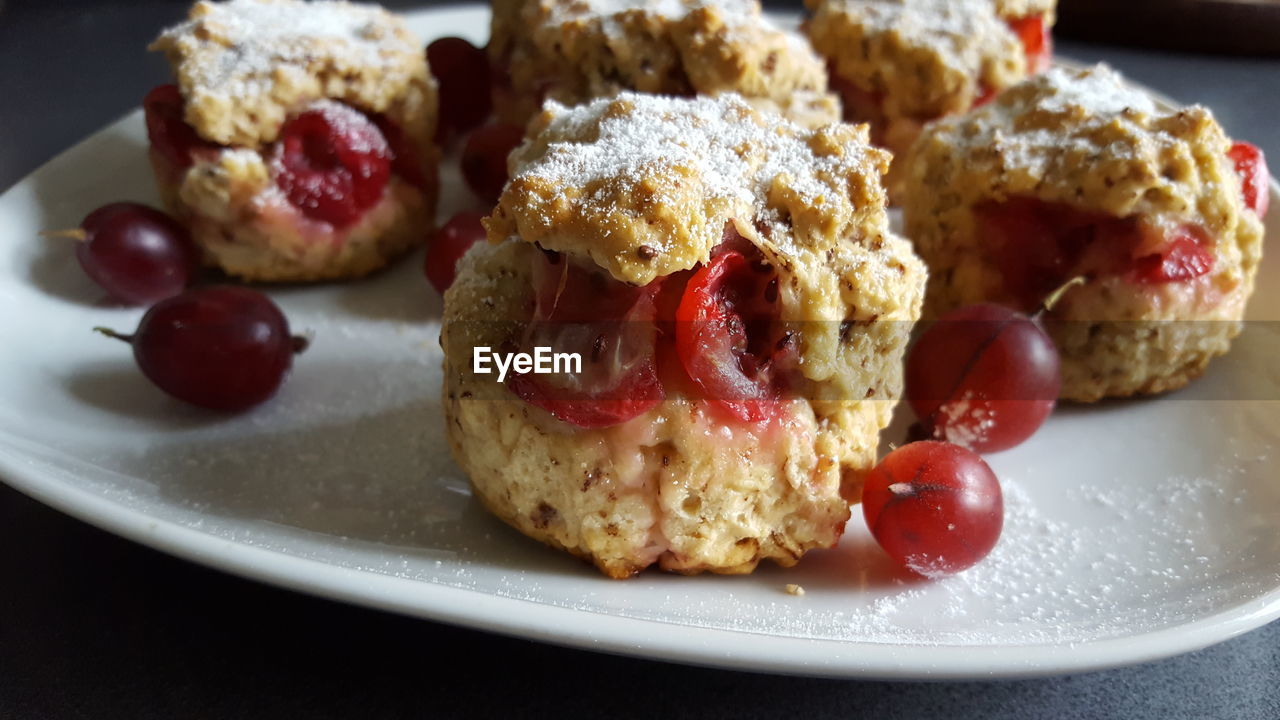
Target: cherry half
1251	166
168	132
332	163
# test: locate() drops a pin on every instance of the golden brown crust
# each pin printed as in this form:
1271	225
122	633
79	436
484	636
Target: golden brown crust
671	486
902	63
1083	139
926	58
244	66
575	50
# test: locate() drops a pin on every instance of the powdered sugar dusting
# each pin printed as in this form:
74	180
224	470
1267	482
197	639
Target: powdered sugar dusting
1099	89
957	30
719	142
258	36
736	13
1093	98
965	422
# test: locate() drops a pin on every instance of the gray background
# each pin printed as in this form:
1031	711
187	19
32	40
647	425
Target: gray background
95	626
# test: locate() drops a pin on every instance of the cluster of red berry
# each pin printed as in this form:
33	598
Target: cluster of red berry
464	105
219	347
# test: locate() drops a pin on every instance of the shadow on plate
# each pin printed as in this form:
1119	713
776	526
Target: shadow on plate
121	389
109	167
383	478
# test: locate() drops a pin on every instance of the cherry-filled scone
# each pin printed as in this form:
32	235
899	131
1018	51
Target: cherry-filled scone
574	50
297	140
740	309
1074	175
899	64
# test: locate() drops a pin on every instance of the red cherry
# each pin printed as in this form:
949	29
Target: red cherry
610	326
222	348
462	70
168	132
983	376
1183	257
405	159
1251	166
332	164
935	508
1036	42
724	334
484	159
138	254
449	245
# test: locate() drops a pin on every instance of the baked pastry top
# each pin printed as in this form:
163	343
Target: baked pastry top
1085	176
1083	137
639	190
643	186
243	66
575	50
923	58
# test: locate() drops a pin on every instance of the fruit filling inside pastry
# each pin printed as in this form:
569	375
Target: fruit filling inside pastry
1040	245
331	162
712	333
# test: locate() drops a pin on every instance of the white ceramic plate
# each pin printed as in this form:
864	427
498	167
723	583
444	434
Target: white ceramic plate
1136	530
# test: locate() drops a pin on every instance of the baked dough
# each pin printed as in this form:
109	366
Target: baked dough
243	68
1084	139
574	50
640	187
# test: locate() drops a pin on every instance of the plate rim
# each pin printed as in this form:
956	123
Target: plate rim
589	630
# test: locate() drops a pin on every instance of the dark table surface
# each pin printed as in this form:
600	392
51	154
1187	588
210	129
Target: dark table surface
95	626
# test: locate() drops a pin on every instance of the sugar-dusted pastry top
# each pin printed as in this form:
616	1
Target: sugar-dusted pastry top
244	65
643	185
924	57
1013	9
1082	137
575	50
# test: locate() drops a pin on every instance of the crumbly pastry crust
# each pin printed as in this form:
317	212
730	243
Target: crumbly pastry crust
244	225
574	50
243	68
1082	138
676	486
920	59
927	58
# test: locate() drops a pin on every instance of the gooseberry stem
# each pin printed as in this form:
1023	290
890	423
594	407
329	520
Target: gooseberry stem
77	234
1056	296
113	334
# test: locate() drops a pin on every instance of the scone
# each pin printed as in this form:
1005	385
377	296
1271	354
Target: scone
297	142
1073	174
574	50
899	64
740	309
